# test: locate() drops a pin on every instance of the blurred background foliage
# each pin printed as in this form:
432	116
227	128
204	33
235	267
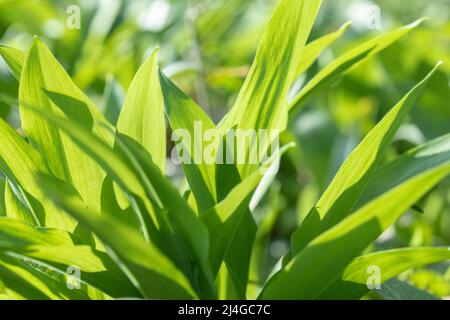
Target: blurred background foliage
206	46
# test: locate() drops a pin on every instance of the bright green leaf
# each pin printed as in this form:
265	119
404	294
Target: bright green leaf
142	115
353	282
317	266
350	181
344	63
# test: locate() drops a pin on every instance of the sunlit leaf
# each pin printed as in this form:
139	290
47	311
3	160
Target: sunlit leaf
14	58
314	269
353	282
345	63
142	115
350	181
313	49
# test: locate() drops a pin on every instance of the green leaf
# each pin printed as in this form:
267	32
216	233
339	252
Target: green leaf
22	281
112	100
395	289
142	116
14	233
424	157
352	284
150	270
14	58
192	230
350	181
313	49
319	264
22	175
262	101
57	250
346	62
223	219
188	121
15	208
262	104
2	196
45	84
140	176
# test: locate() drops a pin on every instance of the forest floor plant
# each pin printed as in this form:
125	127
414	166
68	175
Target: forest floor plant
89	201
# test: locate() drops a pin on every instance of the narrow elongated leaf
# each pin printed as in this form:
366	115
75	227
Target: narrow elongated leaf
287	31
96	268
142	115
346	62
150	270
22	174
45	84
189	123
191	229
344	191
353	282
14	58
22	281
223	219
413	162
14	233
313	50
57	250
262	101
14	208
262	104
395	289
144	179
320	263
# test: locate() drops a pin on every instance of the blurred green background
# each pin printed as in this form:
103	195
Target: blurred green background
206	46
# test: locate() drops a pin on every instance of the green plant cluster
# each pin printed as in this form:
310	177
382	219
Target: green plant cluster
89	190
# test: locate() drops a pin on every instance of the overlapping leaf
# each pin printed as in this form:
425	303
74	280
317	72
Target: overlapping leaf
262	101
320	263
57	250
148	183
14	58
142	115
22	174
350	181
353	282
313	50
345	63
44	84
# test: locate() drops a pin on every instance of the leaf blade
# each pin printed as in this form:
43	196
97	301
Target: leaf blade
345	189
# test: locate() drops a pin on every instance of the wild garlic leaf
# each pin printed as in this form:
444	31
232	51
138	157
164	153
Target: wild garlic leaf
15	208
424	157
142	116
313	49
22	281
139	176
224	219
262	100
317	266
112	99
395	289
350	181
22	174
45	84
346	62
58	250
188	121
352	284
14	58
184	221
148	268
